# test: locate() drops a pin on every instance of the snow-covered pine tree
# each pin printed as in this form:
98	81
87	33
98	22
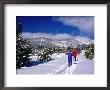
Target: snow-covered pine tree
43	54
23	49
78	49
89	51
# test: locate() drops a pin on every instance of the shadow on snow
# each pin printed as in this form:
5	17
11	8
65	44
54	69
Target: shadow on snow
34	63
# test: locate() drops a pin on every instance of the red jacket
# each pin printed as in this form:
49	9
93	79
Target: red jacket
74	53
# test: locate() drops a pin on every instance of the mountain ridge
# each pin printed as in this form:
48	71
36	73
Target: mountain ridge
50	42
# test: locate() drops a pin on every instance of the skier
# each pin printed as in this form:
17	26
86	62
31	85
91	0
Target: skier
74	53
69	58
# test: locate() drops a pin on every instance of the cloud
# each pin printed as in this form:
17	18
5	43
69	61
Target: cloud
83	23
29	35
62	36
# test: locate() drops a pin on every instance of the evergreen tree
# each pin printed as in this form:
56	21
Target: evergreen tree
89	51
78	49
23	49
44	54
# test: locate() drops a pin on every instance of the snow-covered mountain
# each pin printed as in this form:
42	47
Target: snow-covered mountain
83	40
48	42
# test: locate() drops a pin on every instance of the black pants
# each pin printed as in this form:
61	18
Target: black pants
75	58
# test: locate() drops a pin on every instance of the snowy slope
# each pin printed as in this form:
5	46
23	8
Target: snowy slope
85	68
59	66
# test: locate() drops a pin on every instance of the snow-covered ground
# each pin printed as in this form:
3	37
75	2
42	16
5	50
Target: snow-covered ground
59	66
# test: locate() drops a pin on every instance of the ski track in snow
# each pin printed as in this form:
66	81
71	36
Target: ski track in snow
58	66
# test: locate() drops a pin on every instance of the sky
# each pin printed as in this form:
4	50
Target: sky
57	26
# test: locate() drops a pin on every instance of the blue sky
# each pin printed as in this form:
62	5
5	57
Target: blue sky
54	25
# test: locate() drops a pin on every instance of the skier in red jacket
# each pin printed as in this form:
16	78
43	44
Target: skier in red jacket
74	53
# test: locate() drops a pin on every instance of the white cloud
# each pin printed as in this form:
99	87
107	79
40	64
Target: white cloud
84	24
36	35
45	35
79	38
29	35
62	36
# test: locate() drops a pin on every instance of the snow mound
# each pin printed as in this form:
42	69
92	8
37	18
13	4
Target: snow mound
33	58
58	55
